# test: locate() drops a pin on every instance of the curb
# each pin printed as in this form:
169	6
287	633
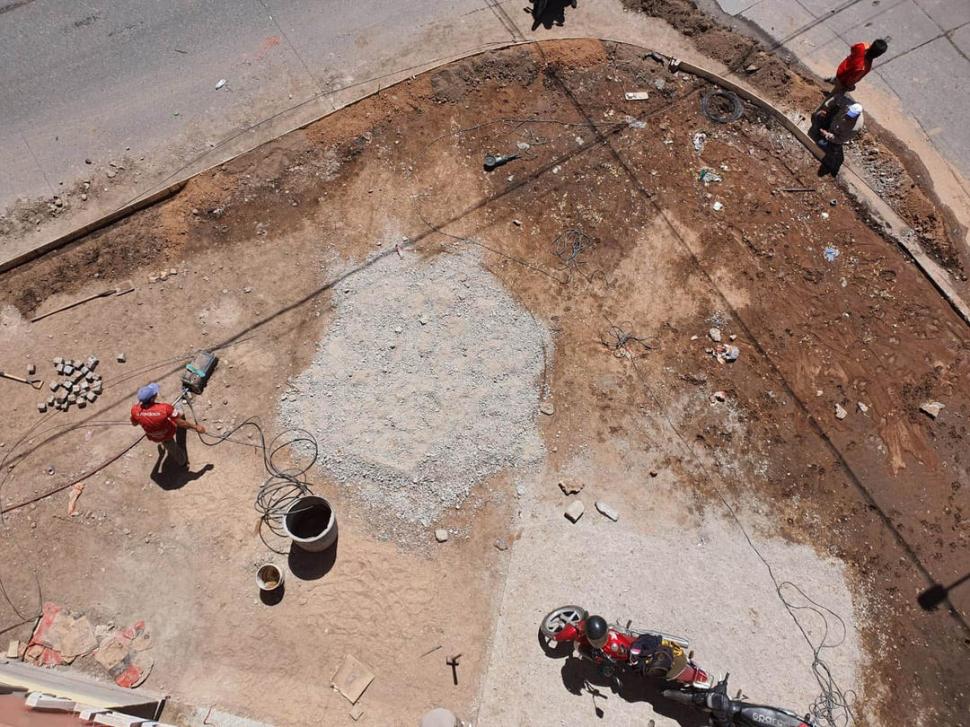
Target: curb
94	226
893	225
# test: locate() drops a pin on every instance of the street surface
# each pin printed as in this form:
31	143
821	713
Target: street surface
91	84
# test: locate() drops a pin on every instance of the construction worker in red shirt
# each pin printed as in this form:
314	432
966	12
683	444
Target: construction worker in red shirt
857	64
163	424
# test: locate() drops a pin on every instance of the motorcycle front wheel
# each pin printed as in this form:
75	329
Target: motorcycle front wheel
559	618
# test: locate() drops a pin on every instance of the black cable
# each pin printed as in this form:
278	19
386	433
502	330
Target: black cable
284	486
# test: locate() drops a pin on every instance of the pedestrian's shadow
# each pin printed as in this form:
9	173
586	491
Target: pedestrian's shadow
549	12
170	476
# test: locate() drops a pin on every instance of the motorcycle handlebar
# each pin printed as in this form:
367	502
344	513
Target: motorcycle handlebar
674	695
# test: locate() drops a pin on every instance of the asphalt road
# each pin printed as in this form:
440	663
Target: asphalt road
102	80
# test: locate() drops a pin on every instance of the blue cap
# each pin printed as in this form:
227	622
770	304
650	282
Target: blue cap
147	393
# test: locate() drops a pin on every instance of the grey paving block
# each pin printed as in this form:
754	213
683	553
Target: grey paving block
939	100
908	25
948	14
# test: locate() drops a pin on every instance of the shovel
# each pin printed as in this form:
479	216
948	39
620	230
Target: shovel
127	288
35	383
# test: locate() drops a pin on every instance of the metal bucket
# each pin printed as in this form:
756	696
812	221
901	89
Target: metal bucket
269	577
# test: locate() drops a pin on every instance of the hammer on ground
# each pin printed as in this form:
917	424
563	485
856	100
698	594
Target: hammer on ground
453	663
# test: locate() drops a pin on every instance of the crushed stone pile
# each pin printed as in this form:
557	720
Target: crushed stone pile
427	381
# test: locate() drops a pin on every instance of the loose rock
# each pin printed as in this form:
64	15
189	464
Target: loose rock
932	408
607	511
441	535
575	510
570	488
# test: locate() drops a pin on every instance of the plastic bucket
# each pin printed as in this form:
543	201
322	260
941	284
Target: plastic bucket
311	523
269	577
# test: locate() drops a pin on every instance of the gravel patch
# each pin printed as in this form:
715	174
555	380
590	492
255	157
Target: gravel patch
427	382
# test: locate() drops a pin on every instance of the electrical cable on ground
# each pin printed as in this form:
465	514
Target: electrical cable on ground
831	706
284	486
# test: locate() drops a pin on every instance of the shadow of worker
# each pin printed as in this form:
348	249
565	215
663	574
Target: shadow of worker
170	474
550	12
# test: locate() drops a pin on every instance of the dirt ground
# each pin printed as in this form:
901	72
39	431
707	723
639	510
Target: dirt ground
604	232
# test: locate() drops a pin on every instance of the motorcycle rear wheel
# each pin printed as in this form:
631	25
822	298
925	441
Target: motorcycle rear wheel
559	618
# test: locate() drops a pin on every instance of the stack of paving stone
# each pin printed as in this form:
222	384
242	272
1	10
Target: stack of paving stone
79	385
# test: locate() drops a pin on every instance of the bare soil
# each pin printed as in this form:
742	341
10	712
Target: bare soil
263	245
896	175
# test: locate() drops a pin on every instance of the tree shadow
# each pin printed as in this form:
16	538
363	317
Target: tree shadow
549	12
580	676
309	566
171	476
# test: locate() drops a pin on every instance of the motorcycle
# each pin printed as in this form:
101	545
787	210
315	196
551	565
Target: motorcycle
727	712
620	655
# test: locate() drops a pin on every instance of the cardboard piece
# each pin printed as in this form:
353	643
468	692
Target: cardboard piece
352	678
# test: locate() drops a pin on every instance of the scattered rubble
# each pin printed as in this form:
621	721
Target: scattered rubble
570	488
932	408
607	511
575	510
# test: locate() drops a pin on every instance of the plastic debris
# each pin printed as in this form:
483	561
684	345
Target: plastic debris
831	253
840	412
636	95
727	353
699	138
718	206
709	176
222	82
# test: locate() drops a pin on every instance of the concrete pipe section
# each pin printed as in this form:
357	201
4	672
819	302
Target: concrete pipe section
311	523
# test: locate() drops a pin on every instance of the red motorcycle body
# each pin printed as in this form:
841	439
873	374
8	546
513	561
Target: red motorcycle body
616	651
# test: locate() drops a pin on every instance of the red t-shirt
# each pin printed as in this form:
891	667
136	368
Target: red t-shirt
157	420
855	66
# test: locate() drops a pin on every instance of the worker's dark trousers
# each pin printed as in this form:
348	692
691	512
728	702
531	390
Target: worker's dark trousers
176	449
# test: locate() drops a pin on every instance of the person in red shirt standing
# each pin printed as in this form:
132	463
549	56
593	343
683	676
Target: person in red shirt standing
163	424
857	64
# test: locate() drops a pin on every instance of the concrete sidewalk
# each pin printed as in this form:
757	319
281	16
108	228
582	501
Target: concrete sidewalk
919	90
